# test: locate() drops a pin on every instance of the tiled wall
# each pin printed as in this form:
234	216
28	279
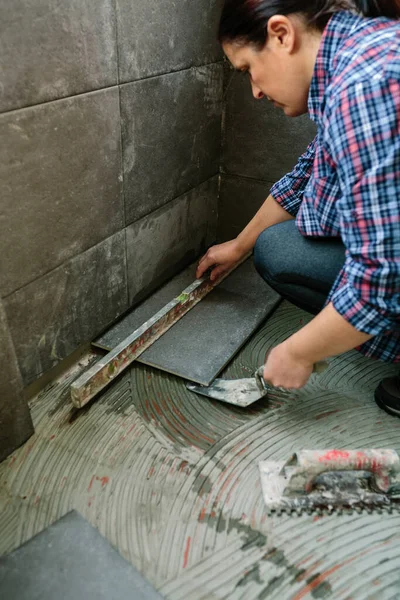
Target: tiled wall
110	145
260	145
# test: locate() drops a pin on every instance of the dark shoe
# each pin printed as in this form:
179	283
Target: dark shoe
387	395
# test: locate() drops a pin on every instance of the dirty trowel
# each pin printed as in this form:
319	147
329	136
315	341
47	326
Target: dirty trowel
241	392
333	480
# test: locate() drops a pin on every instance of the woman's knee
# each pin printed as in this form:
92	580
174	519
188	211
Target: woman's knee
261	253
269	251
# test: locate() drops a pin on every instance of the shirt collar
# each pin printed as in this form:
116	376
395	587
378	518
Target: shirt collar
335	34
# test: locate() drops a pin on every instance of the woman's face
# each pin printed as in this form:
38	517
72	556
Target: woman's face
283	69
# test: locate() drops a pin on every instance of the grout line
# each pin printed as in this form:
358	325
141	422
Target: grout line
128	296
119	231
122	156
115	4
122	152
63	264
248	177
218	202
172	72
175	198
120	110
102	89
63	99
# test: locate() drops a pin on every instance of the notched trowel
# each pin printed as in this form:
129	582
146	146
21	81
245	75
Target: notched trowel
241	392
332	479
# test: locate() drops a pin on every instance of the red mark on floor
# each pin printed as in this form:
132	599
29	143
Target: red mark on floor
12	461
103	481
52	437
327	414
186	554
322	576
315	583
183	465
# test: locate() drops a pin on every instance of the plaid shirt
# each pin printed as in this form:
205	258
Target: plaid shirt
347	183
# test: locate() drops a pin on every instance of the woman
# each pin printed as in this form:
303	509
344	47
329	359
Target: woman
328	236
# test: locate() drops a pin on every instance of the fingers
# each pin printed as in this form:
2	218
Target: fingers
215	273
207	261
203	265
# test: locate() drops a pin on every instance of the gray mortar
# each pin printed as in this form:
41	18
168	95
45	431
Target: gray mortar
172	481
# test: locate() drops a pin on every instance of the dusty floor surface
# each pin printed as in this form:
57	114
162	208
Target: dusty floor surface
171	480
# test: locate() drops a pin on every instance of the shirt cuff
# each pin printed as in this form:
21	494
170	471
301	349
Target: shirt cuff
283	193
363	316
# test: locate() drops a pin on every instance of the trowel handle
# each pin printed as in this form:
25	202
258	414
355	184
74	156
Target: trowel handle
305	466
318	368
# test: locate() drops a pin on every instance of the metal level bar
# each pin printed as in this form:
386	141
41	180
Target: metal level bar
103	372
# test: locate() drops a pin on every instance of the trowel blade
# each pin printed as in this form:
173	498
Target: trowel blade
240	392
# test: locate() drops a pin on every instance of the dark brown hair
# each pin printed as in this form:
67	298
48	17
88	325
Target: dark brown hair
246	21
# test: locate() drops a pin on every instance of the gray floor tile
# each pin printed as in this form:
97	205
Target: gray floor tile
148	308
199	346
72	561
65	194
55	49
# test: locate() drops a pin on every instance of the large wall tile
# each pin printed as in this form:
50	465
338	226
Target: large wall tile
157	37
239	200
60	168
15	419
52	316
55	49
171	136
259	140
161	244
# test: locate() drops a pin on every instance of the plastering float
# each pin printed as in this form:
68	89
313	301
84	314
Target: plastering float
333	480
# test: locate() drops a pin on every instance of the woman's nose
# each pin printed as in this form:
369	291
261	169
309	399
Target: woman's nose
257	93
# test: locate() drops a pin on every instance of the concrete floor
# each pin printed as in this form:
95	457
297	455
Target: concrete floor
171	480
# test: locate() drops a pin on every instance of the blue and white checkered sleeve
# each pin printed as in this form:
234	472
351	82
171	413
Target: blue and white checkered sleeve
289	190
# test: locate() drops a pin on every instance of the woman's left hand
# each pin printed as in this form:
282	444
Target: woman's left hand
284	370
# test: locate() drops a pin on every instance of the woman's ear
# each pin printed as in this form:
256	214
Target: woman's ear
282	33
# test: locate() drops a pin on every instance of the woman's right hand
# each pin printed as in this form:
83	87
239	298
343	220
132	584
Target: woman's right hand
222	257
